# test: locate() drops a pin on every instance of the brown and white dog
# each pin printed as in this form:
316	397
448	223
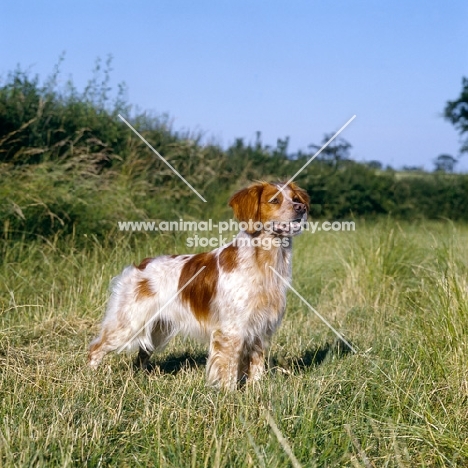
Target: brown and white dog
229	296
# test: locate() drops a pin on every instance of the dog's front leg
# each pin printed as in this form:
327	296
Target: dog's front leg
256	360
222	368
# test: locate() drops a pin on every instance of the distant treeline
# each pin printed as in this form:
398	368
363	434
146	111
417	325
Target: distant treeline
68	164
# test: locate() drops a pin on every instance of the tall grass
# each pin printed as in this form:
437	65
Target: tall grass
70	170
70	166
397	291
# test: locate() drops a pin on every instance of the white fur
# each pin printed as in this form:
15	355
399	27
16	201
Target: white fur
244	313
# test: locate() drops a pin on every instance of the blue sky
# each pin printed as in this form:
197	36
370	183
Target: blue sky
286	68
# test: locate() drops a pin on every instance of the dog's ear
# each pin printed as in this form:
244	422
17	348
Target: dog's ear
246	203
301	194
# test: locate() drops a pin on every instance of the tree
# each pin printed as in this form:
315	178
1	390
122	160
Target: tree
413	168
374	164
456	112
445	163
337	150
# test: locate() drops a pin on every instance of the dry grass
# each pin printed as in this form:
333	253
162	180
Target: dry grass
398	292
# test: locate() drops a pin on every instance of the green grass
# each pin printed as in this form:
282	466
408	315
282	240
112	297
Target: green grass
397	291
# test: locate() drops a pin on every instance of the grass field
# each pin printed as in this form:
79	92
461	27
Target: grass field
398	292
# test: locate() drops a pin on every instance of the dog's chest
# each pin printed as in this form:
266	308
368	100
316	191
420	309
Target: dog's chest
254	292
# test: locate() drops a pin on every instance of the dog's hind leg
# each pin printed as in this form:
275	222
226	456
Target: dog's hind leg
99	347
160	337
128	318
112	337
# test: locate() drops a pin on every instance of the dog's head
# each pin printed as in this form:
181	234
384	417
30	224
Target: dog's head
276	208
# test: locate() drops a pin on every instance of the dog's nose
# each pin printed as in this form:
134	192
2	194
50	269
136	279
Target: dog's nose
300	208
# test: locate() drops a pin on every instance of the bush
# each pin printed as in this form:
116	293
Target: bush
69	165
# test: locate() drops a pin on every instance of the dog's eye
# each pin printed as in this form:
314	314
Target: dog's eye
296	200
275	201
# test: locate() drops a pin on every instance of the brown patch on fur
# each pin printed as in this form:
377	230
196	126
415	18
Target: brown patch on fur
256	358
223	343
93	347
143	289
253	203
266	300
271	299
228	258
144	263
96	345
246	203
199	293
273	255
269	211
266	258
225	361
301	194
